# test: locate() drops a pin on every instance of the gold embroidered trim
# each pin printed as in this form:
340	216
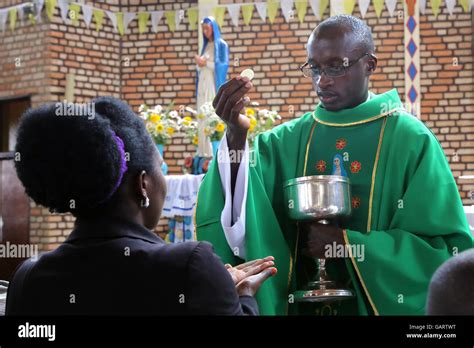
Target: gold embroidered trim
354	123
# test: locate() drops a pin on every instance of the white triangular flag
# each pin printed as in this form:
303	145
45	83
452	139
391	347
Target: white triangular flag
39	7
113	18
64	8
391	4
127	18
262	10
337	7
315	7
155	19
364	6
234	12
87	13
422	4
287	9
3	19
450	5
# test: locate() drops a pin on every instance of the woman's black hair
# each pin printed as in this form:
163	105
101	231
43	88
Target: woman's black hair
68	159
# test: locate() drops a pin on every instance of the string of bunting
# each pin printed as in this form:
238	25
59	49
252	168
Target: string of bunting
71	12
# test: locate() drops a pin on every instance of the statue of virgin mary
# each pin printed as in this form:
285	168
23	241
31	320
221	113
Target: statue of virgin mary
212	66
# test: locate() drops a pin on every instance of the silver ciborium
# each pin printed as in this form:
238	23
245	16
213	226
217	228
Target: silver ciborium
321	198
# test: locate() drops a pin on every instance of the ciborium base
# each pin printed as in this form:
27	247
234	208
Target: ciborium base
324	291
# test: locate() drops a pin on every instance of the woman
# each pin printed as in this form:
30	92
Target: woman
105	170
212	66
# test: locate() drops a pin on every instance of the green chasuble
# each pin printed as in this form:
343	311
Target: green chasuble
407	214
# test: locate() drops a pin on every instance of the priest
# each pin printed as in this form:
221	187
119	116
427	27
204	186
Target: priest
407	213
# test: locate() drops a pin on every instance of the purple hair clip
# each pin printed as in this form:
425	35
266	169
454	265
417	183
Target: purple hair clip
123	164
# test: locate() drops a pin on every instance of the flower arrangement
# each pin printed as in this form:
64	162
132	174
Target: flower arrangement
189	126
261	120
214	127
161	123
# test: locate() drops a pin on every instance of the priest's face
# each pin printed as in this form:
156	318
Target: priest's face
344	67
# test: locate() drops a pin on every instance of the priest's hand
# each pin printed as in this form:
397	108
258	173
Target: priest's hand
249	276
228	104
320	237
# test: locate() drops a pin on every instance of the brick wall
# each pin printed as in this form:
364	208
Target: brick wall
159	68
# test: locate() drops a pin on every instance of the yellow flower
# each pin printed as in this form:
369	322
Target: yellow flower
160	128
155	118
170	130
249	112
253	122
220	127
195	140
251	128
187	120
200	116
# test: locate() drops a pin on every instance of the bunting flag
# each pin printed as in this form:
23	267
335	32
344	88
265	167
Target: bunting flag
155	19
287	9
247	13
262	10
38	8
466	5
12	17
272	8
128	17
391	5
435	4
323	5
171	20
98	18
450	6
349	6
70	12
378	5
219	13
63	7
50	5
74	10
87	14
363	7
422	6
143	18
337	7
301	8
113	19
3	19
234	12
192	17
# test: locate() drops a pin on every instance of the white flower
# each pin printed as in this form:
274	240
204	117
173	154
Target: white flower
174	114
157	109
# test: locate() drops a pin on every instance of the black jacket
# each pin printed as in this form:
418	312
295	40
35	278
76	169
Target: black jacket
114	267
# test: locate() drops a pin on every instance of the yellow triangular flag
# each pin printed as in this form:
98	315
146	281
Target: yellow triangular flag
272	9
192	17
378	5
349	6
247	12
12	15
143	18
301	8
171	20
323	5
99	18
435	4
50	5
464	4
219	13
120	27
74	10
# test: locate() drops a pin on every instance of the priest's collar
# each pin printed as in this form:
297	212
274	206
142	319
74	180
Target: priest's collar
375	107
